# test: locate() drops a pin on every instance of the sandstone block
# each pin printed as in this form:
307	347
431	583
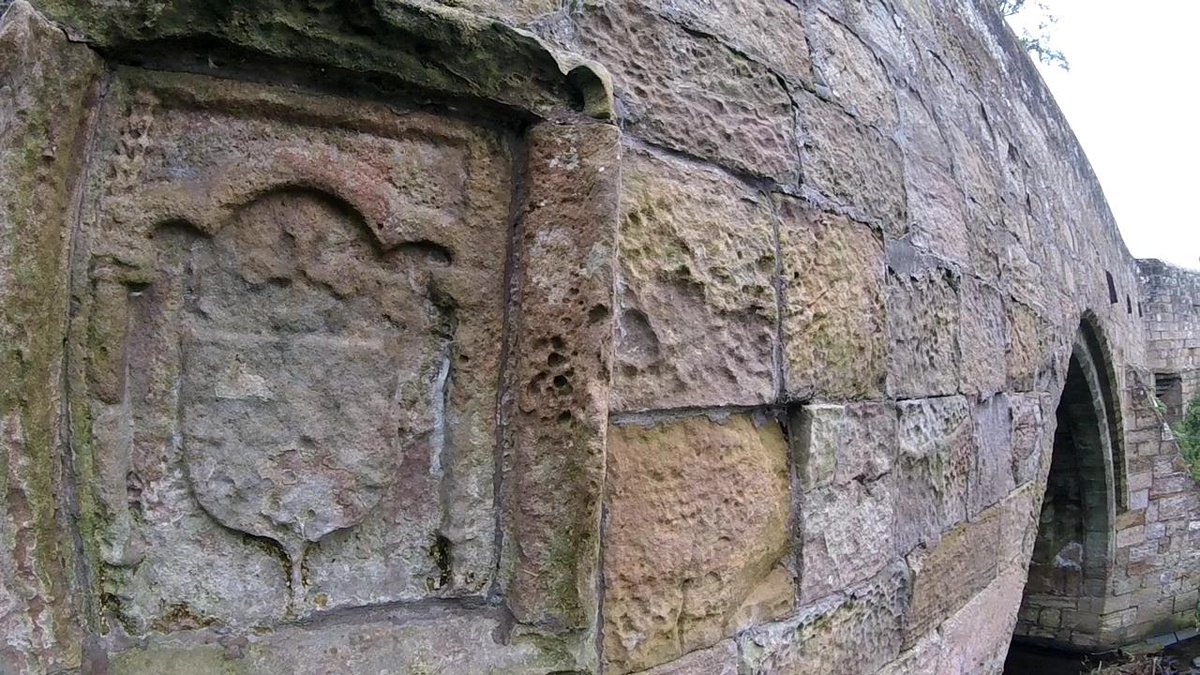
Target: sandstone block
951	573
991	471
696	324
834	329
305	409
773	34
691	93
697	534
850	167
847	535
931	471
847	634
563	370
981	343
427	640
854	75
923	310
48	86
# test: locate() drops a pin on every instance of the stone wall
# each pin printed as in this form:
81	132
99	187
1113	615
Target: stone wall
620	336
1171	314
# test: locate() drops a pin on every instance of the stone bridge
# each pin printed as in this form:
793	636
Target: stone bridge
522	336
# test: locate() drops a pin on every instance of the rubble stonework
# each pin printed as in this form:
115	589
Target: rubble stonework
621	336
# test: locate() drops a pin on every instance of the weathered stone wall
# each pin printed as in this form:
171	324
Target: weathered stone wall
394	342
1171	315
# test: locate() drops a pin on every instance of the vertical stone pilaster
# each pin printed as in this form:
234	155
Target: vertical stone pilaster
562	372
46	84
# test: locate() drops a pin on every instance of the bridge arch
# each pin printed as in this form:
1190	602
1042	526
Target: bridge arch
1072	555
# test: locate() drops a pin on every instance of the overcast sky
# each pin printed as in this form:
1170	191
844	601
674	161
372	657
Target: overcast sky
1131	97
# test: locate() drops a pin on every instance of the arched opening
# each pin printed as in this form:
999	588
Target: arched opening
1069	567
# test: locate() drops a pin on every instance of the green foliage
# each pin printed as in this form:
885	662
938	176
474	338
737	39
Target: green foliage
1034	34
1187	432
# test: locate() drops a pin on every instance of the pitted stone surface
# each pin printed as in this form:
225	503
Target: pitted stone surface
859	632
834	325
693	95
697	314
697	534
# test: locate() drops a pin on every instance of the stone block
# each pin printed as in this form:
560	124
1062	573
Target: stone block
818	434
923	309
697	536
932	468
1028	436
720	659
834	329
937	220
773	34
948	575
858	632
49	84
981	344
313	296
697	305
871	442
688	92
991	471
847	535
417	640
563	370
976	637
850	167
1027	347
852	73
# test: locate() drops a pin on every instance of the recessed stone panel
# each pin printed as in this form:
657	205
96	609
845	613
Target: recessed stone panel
291	305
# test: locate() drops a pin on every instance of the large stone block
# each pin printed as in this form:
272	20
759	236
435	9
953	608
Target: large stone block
991	476
981	343
691	93
286	352
847	535
850	167
46	87
932	468
852	72
418	640
946	576
834	329
697	536
697	315
855	633
770	33
923	310
563	370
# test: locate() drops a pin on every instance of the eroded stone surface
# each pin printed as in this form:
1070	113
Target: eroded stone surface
846	536
697	533
849	166
434	640
563	372
693	95
852	634
932	468
45	87
697	315
834	328
923	310
275	346
945	577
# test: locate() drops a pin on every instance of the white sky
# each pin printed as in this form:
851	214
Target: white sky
1132	98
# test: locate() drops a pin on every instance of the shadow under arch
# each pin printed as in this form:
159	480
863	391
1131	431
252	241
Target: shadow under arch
1072	554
